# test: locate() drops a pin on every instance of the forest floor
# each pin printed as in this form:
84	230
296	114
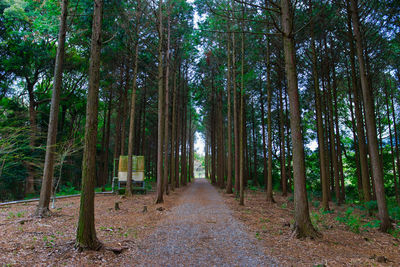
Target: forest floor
28	241
195	226
272	223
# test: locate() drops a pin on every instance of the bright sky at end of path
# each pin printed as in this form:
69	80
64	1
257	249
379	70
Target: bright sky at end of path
199	144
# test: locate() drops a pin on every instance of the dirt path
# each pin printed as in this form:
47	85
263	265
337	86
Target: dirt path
201	231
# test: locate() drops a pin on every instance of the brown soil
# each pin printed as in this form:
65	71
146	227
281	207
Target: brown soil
28	241
201	231
194	227
271	223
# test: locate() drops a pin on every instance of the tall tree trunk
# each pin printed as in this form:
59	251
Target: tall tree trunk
184	135
329	169
30	180
377	172
213	130
264	145
366	187
303	226
320	126
107	141
289	171
143	139
235	118
174	154
178	133
337	133
229	131
160	148
117	141
48	172
396	188
191	148
332	137
124	111
166	124
128	191
86	232
254	178
355	140
269	122
220	145
241	125
396	143
282	143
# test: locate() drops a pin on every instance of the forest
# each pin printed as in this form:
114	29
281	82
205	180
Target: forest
284	106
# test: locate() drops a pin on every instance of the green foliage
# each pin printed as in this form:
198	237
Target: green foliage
394	212
352	220
395	232
371	206
148	186
68	189
316	204
49	241
121	191
372	224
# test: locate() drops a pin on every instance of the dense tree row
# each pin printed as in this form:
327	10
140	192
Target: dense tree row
296	96
331	84
112	58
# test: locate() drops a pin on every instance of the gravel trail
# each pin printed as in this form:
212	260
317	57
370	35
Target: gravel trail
201	231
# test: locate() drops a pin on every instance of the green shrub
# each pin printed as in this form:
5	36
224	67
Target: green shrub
371	206
394	212
121	191
315	204
148	186
352	220
372	224
395	232
68	189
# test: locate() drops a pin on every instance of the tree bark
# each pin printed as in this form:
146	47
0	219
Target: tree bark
254	177
303	226
396	144
332	137
184	135
124	111
235	118
220	145
337	134
160	148
30	181
241	125
264	145
396	188
282	144
366	187
107	140
377	172
355	140
174	154
48	172
229	131
166	123
270	197
128	191
320	126
86	232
